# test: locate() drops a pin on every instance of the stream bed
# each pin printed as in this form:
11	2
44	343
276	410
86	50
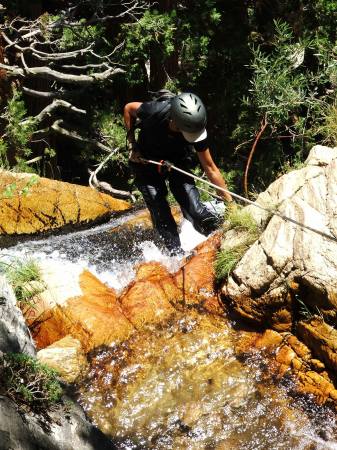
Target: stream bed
177	386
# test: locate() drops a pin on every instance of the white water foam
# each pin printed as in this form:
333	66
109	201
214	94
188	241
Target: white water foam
116	273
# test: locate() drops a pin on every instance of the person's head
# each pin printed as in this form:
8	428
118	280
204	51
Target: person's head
188	115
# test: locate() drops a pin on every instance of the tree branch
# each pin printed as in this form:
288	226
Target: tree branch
48	110
56	126
50	95
54	75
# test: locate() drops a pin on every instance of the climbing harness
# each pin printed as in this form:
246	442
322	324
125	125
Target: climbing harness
169	166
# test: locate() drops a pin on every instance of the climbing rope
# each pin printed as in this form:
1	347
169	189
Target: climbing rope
169	166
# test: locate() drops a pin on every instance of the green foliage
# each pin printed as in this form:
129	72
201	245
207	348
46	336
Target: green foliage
328	129
238	218
4	164
153	32
28	382
241	220
21	273
111	128
277	87
18	132
226	260
80	37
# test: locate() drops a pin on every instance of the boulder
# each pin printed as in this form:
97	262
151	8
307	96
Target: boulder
289	262
66	356
66	428
288	358
49	204
14	333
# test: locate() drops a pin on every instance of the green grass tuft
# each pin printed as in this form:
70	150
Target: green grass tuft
20	273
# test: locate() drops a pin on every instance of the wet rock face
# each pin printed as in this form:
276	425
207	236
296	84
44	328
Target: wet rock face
50	204
79	305
322	337
14	334
68	429
287	256
291	359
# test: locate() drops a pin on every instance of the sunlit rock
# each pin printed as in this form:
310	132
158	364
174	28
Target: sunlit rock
321	338
66	356
93	315
32	207
14	334
76	303
66	428
195	279
289	357
148	298
260	288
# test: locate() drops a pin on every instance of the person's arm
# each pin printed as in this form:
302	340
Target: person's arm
130	116
213	173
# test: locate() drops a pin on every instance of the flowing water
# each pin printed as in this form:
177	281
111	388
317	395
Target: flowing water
180	385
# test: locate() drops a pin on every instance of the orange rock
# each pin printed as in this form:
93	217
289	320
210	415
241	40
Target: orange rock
51	204
195	280
95	317
93	314
321	338
148	298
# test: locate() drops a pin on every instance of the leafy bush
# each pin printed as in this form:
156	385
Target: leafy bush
27	381
153	32
18	132
111	128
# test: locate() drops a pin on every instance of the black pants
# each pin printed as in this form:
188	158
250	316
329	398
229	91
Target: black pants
153	187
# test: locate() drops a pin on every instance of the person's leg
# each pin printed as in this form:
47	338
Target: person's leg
154	191
187	195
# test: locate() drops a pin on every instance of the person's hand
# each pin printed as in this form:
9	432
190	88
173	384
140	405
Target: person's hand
226	197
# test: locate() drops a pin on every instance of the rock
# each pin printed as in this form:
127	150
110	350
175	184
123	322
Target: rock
14	334
290	357
76	303
321	338
93	315
67	430
148	298
260	287
50	205
66	356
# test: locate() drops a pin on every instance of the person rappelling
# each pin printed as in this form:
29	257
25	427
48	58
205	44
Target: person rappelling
172	128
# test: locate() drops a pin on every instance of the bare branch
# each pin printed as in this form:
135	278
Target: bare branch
105	187
56	126
50	95
54	75
87	66
48	110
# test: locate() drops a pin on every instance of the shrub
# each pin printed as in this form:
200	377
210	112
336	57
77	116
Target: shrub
28	382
